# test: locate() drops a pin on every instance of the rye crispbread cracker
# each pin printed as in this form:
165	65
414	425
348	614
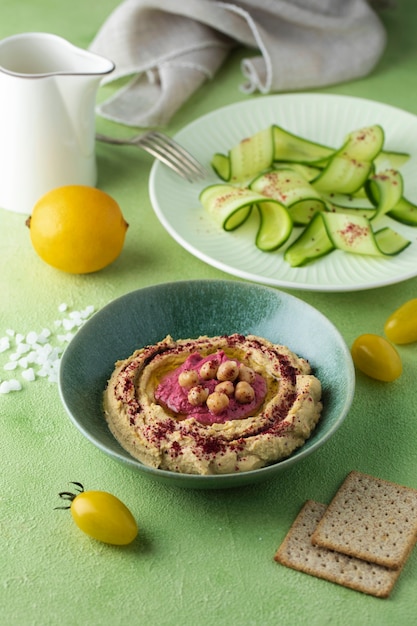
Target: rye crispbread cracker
298	552
370	519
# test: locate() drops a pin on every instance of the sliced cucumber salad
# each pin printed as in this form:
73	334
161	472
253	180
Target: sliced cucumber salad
327	198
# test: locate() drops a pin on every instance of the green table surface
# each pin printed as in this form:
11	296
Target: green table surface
202	557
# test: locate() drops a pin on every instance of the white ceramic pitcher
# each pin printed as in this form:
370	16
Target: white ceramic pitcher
48	90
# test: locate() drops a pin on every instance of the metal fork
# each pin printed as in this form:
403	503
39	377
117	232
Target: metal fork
166	150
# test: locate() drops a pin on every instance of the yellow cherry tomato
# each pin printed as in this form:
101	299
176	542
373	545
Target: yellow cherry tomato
376	357
101	515
401	326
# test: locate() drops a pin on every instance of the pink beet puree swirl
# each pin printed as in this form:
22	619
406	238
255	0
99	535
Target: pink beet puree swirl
175	397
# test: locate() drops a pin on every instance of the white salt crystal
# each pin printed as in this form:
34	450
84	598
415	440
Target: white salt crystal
10	385
44	351
11	365
29	374
68	324
4	344
23	348
31	337
32	356
65	338
54	354
89	310
42	359
44	335
35	349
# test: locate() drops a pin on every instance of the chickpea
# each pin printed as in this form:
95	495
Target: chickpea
188	378
244	393
247	374
208	370
229	370
217	402
226	387
197	395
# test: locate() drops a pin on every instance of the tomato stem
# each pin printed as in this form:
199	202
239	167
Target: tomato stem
80	485
68	495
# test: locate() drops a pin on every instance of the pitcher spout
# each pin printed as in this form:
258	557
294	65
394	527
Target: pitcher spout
37	55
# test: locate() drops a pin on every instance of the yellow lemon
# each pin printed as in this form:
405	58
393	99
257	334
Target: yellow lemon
77	229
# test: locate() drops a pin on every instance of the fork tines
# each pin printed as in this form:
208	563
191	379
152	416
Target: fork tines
173	154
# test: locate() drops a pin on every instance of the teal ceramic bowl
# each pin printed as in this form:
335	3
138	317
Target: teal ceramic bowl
189	309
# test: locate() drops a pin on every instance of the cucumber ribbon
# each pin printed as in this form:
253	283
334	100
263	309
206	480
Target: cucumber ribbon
336	195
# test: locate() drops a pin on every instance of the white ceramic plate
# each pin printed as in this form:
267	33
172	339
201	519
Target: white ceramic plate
319	117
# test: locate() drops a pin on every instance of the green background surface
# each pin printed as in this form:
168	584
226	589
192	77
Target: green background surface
201	557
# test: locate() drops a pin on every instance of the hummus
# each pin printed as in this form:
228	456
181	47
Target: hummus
212	405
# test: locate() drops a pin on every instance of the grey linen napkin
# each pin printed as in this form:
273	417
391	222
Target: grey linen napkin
168	48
